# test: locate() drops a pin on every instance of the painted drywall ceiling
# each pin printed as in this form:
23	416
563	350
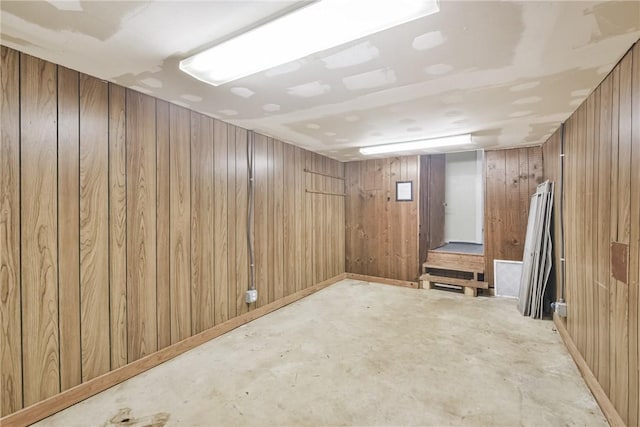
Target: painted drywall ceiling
507	72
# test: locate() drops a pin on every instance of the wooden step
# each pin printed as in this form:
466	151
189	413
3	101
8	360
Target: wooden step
471	263
428	278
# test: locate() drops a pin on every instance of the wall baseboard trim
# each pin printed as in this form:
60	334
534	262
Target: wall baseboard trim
67	398
598	392
383	280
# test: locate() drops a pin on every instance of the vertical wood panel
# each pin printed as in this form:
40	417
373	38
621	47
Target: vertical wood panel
270	205
593	187
512	245
342	220
11	327
141	225
69	227
278	226
353	208
260	218
568	238
309	250
437	173
580	152
94	226
616	335
623	229
231	222
395	220
180	217
603	227
118	225
288	216
39	231
524	193
495	205
412	265
298	233
634	262
318	229
202	224
587	203
163	225
221	233
241	257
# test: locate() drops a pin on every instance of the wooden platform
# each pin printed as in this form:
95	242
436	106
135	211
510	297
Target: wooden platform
443	267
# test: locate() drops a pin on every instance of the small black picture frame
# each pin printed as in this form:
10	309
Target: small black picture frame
404	191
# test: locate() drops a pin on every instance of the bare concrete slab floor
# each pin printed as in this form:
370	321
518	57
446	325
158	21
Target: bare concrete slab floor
362	354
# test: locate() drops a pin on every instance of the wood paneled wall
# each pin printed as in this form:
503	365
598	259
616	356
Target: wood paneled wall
431	203
602	208
382	233
511	178
124	226
552	171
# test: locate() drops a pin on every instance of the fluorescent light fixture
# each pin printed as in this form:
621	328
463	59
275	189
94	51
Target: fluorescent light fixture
418	145
310	29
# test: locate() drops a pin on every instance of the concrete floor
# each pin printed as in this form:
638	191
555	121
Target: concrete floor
361	354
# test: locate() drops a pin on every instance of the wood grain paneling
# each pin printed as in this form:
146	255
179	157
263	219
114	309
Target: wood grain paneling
382	233
202	224
163	224
634	254
600	218
220	250
141	225
232	288
299	219
309	243
511	178
288	217
180	220
260	220
118	225
241	194
94	226
10	326
69	227
278	221
436	200
124	229
39	229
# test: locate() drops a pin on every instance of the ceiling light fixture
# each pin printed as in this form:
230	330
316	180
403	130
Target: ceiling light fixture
314	28
418	145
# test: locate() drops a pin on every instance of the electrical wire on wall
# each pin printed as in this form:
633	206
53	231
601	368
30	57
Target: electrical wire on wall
250	185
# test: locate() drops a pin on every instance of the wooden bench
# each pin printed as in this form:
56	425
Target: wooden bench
453	262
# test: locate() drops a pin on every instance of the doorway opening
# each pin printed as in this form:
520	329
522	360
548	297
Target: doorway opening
452	202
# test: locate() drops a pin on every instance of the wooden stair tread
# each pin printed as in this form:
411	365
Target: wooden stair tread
456	268
471	263
454	281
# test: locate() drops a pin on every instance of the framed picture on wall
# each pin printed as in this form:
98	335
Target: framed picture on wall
404	191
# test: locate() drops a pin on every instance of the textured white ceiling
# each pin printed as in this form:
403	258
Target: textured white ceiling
508	72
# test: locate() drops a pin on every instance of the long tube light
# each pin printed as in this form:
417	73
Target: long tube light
314	28
418	145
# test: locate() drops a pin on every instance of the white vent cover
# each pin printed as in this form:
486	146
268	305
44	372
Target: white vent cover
506	278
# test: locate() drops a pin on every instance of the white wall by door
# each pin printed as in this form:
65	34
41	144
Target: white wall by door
464	210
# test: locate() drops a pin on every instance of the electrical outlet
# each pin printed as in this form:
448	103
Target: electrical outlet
560	308
251	296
